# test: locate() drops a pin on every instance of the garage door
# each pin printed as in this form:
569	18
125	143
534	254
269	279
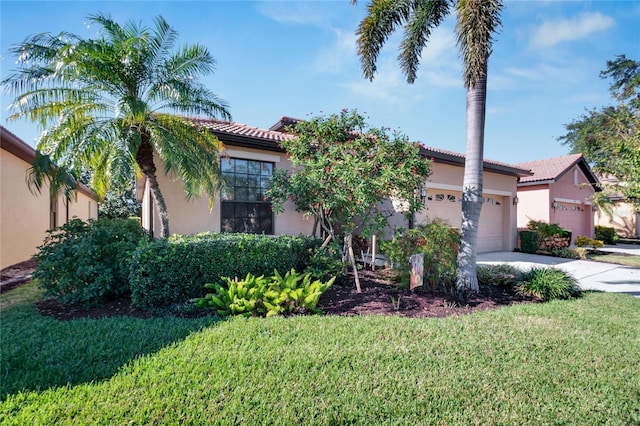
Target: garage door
447	205
491	230
572	216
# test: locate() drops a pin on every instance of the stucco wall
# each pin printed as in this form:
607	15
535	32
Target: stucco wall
448	179
573	190
533	204
622	216
25	217
194	216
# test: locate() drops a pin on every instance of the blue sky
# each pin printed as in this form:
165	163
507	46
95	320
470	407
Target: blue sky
298	58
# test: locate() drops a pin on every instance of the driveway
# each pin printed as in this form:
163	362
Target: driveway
591	275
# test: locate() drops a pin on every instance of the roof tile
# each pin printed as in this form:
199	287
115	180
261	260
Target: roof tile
548	169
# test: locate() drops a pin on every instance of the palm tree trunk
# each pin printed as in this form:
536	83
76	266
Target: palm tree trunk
472	186
144	158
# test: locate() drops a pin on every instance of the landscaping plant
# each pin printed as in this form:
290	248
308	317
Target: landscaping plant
260	296
438	242
594	244
606	234
502	275
166	272
88	262
548	284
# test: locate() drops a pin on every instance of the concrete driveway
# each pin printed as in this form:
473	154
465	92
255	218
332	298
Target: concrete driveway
591	275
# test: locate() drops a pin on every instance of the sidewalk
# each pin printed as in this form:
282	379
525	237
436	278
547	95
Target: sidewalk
591	275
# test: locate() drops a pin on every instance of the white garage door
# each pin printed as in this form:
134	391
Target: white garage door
491	230
447	205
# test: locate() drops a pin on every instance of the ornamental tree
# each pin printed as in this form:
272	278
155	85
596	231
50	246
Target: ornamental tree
609	138
344	171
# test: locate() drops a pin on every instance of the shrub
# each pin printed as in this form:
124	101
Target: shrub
553	243
260	296
548	284
437	241
87	261
567	253
528	241
324	263
605	234
582	241
502	275
164	272
550	235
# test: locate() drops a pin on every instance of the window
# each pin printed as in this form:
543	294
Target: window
244	207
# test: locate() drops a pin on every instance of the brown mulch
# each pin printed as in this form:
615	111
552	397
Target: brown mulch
379	296
14	275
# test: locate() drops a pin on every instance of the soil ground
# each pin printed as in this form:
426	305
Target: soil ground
379	296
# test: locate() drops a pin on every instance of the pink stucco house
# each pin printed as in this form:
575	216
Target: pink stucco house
253	153
559	191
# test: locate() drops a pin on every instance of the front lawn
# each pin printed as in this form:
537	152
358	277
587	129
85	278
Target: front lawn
617	258
563	362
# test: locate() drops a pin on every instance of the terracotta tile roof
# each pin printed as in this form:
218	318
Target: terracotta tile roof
458	158
16	146
240	134
549	169
283	122
237	129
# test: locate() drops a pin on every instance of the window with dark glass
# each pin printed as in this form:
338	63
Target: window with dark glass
244	207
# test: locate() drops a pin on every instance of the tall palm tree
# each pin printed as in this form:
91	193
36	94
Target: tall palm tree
477	21
108	105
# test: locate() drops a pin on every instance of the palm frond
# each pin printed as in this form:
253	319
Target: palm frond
426	15
477	21
383	17
189	151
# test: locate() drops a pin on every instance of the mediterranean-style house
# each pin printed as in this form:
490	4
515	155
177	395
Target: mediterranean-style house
24	216
619	213
253	153
559	191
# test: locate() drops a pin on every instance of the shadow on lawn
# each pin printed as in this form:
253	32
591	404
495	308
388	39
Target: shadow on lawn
39	352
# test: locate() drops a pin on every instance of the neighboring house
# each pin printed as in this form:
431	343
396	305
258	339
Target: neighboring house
619	214
25	217
253	153
559	191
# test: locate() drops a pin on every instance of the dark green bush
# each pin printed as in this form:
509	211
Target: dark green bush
606	234
438	242
87	261
164	272
501	275
548	284
528	241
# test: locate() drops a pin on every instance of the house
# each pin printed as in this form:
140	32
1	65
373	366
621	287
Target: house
25	217
619	214
560	191
253	153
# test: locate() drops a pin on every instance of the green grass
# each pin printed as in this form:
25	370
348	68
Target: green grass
619	259
563	362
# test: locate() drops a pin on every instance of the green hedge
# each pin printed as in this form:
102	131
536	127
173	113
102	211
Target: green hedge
164	272
528	241
605	234
87	262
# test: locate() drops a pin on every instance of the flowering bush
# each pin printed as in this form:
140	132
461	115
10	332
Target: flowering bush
438	242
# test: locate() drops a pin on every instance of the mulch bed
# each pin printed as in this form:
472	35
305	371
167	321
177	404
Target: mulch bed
379	296
14	275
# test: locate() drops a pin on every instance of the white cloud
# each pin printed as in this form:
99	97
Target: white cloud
339	55
301	13
551	33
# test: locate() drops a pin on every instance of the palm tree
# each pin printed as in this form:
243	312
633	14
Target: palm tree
108	105
477	21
